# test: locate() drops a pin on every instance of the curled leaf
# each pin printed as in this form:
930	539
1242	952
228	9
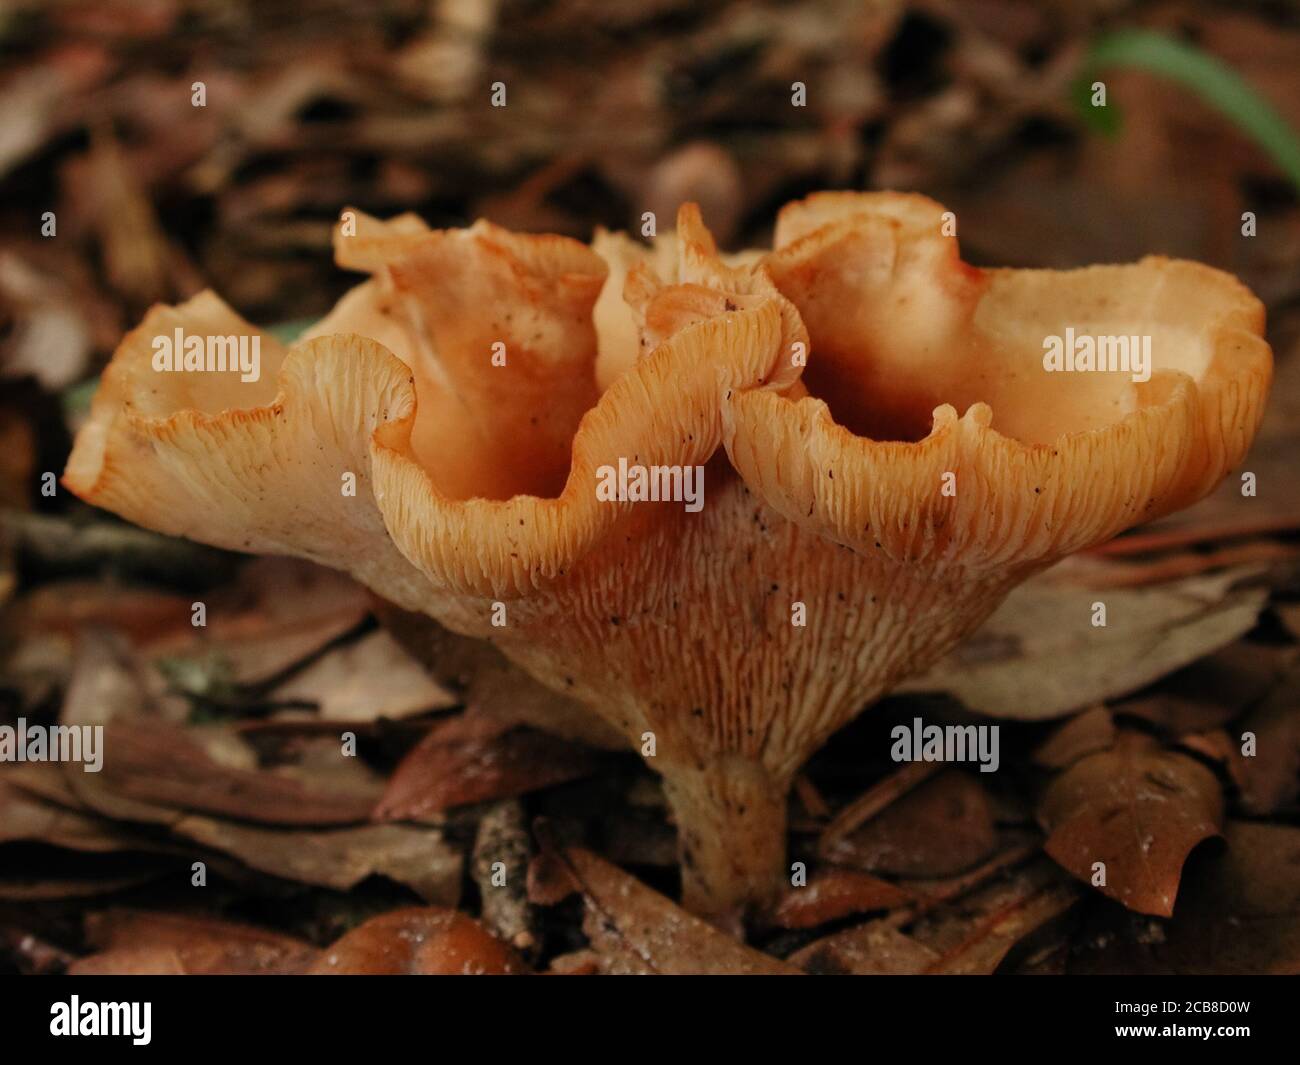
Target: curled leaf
1138	810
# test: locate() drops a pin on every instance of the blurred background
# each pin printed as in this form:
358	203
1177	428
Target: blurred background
612	109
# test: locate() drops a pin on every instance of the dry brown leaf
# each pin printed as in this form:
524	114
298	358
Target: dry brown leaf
338	858
69	607
998	912
1238	914
636	930
832	894
942	827
873	949
1040	657
1091	731
1213	691
470	759
24	817
278	614
419	942
1269	779
135	942
992	940
160	765
1139	809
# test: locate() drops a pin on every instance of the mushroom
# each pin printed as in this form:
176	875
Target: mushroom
840	547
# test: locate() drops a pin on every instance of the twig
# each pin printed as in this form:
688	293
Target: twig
500	864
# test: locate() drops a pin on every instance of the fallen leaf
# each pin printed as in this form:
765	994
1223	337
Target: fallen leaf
69	607
366	680
873	949
833	894
135	942
1238	914
636	930
1089	732
1040	657
278	614
465	760
107	683
1211	692
942	827
1139	809
338	858
882	794
160	765
1269	780
418	942
26	818
994	940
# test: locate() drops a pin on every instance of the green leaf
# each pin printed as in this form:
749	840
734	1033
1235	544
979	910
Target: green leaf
1208	77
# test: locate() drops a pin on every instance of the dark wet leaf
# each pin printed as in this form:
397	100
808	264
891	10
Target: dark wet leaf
1138	809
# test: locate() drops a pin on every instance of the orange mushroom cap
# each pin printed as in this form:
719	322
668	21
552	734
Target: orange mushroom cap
476	482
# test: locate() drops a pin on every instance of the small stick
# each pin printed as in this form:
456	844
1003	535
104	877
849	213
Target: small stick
500	864
811	798
962	885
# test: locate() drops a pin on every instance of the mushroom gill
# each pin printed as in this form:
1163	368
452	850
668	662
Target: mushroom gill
836	548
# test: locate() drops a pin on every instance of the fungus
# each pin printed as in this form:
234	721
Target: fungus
829	559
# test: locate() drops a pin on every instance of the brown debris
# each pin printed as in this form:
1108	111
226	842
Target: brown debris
833	894
464	760
942	827
637	930
1138	810
418	942
133	942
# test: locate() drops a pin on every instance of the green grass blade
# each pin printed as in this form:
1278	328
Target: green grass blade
1209	78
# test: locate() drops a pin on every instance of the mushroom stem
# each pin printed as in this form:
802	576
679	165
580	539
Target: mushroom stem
731	816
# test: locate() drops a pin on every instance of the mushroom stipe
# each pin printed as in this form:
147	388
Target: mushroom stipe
885	456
